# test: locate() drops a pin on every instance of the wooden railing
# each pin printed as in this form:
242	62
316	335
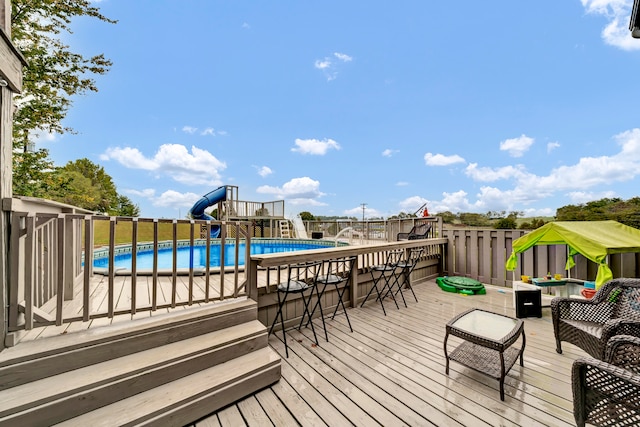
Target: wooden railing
53	282
243	209
373	230
270	269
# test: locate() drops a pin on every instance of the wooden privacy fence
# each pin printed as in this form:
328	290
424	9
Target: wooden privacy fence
482	253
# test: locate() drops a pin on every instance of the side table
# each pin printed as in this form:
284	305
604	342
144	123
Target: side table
487	346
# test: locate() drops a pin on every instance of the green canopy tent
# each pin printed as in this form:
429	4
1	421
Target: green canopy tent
595	240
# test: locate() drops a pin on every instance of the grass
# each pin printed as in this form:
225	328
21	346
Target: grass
145	232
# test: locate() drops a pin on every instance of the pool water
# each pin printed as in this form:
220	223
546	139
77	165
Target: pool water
188	257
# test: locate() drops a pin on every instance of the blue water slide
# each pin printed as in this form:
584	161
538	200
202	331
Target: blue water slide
209	199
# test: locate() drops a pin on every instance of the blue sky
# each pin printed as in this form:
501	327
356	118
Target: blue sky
467	106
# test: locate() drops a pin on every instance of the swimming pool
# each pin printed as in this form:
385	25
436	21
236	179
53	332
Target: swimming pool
188	257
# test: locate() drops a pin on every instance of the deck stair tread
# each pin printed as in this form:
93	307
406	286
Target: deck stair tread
216	383
118	374
62	343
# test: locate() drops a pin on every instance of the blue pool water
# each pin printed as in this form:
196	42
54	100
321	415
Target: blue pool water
195	257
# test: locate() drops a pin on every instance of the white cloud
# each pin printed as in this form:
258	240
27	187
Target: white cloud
199	167
264	171
577	183
174	199
329	67
617	12
486	174
147	193
402	184
389	152
368	212
516	147
342	57
208	131
452	202
322	64
189	129
552	146
314	146
43	136
412	204
442	160
302	190
579	197
246	25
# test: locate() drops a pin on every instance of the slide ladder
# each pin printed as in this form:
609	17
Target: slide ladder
285	232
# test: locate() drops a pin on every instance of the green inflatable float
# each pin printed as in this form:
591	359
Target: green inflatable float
461	285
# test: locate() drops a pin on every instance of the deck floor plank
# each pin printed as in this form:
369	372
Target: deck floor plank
279	414
253	414
389	371
399	360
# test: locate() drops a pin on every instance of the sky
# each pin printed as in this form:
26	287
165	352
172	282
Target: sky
345	107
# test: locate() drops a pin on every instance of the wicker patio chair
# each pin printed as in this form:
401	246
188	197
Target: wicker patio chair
420	231
607	393
589	324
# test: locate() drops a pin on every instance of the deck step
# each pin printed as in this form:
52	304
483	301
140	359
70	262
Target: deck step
168	369
190	398
73	393
31	361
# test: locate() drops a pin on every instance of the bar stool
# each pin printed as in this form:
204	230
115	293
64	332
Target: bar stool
407	265
300	278
336	272
387	273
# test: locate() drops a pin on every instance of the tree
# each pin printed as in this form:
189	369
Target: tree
33	174
474	219
403	215
510	222
54	73
307	216
624	211
104	197
448	217
125	207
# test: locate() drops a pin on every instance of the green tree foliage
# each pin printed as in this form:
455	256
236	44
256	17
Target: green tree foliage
474	219
33	174
54	73
307	216
447	217
403	215
100	191
535	223
510	222
624	211
125	207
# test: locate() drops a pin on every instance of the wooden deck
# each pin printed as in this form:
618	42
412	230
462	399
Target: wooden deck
122	300
390	371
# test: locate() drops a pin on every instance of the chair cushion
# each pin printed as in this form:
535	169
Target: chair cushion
628	305
292	286
591	328
330	279
385	267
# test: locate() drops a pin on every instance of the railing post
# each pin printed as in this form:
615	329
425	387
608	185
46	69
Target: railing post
70	250
353	297
88	267
60	255
252	278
